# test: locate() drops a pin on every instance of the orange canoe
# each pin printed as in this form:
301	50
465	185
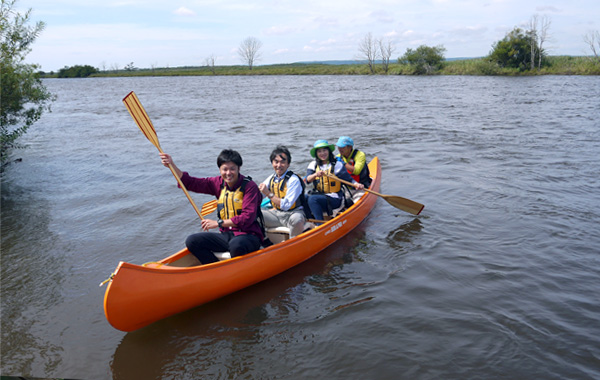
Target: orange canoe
138	295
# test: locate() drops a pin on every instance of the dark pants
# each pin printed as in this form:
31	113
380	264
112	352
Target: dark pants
321	203
203	244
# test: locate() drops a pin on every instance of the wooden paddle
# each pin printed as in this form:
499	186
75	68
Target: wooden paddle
403	204
141	118
209	207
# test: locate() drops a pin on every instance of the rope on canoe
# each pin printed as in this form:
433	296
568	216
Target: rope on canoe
145	264
107	280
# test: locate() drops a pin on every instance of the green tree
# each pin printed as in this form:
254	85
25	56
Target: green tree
424	59
77	71
515	50
24	97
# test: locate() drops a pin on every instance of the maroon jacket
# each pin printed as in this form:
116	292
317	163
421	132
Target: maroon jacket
246	222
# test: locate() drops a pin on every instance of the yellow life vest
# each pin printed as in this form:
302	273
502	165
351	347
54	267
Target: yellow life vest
230	202
327	184
280	189
364	176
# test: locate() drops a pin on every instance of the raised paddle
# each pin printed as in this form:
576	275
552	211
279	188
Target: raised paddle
403	204
141	118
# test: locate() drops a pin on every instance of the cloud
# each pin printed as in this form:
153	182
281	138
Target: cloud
326	22
469	30
382	16
328	42
183	11
548	8
279	31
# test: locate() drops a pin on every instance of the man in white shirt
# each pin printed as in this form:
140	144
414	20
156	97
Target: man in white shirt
286	193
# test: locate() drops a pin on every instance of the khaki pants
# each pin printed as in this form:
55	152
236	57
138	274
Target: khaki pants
294	220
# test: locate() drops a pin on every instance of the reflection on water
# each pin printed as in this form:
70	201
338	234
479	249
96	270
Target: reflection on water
32	276
403	233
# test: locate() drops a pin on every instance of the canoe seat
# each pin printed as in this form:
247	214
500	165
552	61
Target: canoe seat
279	234
222	255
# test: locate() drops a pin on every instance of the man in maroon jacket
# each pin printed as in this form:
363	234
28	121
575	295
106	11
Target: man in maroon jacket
238	206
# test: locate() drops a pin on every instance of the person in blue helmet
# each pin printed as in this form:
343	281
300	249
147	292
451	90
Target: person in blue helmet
327	193
354	160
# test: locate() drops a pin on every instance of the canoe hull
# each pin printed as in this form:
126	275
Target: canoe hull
140	295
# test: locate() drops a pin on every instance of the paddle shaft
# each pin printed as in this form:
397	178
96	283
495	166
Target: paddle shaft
351	184
403	204
141	118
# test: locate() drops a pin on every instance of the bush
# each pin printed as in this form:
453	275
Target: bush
424	60
514	50
24	97
77	71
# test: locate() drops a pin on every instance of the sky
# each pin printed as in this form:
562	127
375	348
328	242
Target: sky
112	34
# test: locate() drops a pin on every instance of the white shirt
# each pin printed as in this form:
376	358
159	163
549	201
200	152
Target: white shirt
294	189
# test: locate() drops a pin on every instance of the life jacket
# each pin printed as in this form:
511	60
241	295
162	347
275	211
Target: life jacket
327	184
364	176
281	190
230	204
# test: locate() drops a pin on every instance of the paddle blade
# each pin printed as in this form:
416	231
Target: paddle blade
404	204
208	207
141	118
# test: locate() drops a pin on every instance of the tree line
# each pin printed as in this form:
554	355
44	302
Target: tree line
519	49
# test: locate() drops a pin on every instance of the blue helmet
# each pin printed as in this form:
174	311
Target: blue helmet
344	141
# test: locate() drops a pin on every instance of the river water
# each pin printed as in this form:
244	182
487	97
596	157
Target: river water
498	277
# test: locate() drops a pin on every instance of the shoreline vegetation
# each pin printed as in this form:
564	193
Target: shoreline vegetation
555	65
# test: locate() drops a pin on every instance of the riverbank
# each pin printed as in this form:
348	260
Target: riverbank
556	65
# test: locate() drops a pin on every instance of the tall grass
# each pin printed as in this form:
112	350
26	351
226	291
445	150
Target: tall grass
554	65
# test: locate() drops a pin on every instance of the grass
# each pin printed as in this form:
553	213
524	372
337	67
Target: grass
554	65
280	69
